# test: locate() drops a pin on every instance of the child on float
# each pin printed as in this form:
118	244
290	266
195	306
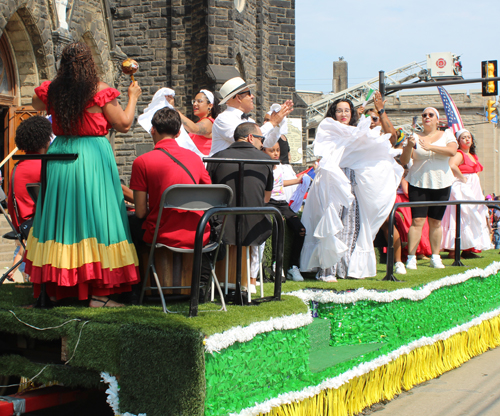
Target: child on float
278	200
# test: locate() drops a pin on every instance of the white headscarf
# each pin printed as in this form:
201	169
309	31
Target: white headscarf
460	132
209	95
433	109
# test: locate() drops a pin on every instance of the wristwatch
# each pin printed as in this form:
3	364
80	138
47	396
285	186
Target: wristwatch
382	111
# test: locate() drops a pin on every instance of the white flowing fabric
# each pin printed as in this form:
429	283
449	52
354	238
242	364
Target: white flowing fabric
377	176
158	102
474	231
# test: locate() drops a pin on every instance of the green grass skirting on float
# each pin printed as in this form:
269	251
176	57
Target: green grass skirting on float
286	361
162	365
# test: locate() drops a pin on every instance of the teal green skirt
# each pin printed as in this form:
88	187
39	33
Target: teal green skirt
81	241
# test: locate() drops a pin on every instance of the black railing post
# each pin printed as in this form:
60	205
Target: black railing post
198	244
458	239
390	248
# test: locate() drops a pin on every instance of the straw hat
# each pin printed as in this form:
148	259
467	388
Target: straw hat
233	87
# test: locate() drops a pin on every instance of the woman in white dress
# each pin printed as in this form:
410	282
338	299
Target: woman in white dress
474	230
352	194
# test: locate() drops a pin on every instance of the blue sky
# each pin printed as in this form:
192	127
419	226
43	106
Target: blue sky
385	35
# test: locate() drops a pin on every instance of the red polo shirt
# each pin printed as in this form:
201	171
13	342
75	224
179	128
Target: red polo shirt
153	172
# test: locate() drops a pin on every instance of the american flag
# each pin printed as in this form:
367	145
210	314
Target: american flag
454	120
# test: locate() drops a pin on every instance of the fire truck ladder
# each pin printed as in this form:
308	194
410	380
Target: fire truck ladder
357	94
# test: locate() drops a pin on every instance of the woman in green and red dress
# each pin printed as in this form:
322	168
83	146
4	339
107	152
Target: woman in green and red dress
80	245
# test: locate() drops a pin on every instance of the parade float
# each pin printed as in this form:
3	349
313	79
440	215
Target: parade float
323	349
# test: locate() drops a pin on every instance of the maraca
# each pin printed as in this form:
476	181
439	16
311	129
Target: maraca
130	67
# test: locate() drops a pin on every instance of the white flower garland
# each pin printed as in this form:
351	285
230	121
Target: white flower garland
218	342
386	297
113	400
364	368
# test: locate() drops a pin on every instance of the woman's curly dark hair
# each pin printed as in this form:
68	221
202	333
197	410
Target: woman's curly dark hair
73	87
33	134
333	107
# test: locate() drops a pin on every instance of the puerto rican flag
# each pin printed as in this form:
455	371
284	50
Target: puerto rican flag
452	114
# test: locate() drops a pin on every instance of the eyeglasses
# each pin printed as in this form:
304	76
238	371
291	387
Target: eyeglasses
375	119
339	111
430	115
261	138
199	101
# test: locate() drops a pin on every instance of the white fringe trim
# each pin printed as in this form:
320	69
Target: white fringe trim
218	342
364	368
113	400
386	297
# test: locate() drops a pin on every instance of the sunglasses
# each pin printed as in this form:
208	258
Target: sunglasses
261	138
430	115
244	92
375	119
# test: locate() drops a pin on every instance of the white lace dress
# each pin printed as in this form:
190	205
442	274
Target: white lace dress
369	159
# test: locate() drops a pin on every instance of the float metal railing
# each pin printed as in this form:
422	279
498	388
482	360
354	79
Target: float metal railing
198	244
390	244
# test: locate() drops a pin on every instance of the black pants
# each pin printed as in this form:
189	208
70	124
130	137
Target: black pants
424	195
295	225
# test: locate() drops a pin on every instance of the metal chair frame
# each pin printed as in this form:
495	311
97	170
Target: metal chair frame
188	198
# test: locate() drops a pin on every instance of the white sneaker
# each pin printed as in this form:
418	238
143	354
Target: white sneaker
412	264
436	262
294	274
399	268
253	289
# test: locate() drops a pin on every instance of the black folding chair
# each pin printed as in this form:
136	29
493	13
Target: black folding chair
188	198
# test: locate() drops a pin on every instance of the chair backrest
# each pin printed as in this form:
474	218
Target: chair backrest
33	190
196	197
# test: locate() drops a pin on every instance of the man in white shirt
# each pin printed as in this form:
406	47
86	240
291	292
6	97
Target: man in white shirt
239	99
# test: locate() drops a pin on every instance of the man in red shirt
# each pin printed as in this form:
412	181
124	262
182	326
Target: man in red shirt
33	137
155	171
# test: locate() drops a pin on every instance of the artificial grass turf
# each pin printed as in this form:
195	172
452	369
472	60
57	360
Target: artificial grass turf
119	340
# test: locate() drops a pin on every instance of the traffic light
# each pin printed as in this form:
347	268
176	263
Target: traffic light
489	70
490	110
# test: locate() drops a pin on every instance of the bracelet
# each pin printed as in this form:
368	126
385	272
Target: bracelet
380	112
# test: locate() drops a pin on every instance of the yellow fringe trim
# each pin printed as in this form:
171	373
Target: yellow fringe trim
63	256
387	381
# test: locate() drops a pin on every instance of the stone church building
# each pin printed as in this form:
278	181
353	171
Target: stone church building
181	44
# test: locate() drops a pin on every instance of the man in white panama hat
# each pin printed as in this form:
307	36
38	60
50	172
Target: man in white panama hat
238	97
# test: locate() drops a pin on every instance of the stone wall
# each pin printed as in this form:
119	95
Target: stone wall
173	41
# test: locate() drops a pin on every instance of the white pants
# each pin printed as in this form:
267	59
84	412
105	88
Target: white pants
255	251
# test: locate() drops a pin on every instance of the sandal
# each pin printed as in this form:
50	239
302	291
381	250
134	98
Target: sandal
105	303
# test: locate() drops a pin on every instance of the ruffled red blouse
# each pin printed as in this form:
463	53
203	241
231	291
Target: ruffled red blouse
94	124
468	166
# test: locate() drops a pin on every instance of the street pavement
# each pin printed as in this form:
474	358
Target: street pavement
470	390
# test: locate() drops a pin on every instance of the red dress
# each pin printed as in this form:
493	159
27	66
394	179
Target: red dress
80	244
204	144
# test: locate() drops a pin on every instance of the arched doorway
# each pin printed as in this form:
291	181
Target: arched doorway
11	113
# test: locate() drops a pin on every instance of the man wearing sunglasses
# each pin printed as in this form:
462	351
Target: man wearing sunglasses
238	97
379	118
258	184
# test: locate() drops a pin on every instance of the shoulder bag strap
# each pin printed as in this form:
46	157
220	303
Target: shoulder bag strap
179	163
16	209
